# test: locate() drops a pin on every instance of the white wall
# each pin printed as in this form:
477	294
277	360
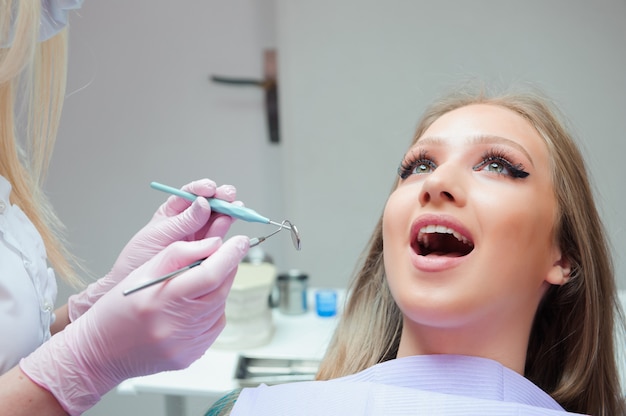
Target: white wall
356	75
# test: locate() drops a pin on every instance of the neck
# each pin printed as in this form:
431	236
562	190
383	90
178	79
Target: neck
500	343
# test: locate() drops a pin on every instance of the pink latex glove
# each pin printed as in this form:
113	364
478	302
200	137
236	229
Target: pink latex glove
163	327
175	220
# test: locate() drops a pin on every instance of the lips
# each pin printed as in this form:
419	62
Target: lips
441	236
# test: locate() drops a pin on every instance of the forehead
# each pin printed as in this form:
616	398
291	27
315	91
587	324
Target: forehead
476	120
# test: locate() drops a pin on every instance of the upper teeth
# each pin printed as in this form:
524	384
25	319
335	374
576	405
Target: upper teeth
441	229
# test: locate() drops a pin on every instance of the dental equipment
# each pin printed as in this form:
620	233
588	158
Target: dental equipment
235	211
220	206
226	208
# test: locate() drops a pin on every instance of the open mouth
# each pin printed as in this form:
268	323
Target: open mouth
439	240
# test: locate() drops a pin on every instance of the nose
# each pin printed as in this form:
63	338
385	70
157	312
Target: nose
444	185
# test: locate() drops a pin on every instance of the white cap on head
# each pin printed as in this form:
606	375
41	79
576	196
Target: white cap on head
54	17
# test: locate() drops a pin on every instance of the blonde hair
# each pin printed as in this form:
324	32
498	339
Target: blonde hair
571	353
32	88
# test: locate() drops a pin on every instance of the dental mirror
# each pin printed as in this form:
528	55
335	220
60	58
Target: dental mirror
295	235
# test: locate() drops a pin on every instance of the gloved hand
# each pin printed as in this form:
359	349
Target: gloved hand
163	327
177	219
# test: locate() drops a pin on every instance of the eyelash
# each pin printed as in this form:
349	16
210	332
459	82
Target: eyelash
408	166
499	156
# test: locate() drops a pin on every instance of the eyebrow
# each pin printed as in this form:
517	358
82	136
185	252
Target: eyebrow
478	139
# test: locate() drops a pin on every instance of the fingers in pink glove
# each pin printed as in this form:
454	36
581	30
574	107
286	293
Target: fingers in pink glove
208	277
226	192
186	310
175	204
219	224
206	285
196	222
202	187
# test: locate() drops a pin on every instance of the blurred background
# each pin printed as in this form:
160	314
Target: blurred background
353	78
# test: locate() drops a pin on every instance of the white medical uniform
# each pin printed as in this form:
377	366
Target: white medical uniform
27	285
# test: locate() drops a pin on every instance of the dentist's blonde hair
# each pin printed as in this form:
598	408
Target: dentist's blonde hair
32	89
571	353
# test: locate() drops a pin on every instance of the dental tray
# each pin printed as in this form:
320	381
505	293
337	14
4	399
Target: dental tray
252	371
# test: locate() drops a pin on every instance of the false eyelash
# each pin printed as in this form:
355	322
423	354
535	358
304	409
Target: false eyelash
498	155
410	162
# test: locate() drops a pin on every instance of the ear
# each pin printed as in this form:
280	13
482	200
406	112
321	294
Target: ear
559	273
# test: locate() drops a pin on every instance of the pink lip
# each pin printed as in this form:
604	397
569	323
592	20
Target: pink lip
436	263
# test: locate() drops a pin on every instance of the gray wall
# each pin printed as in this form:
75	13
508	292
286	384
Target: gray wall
140	108
356	75
354	78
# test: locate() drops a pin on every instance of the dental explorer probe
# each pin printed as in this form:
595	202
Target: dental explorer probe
221	206
253	242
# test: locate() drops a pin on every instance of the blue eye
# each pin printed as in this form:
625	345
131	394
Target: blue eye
497	163
497	167
417	166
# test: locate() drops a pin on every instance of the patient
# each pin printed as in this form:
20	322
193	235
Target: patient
487	286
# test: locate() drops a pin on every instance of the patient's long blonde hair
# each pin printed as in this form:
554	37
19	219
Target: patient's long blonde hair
571	353
32	89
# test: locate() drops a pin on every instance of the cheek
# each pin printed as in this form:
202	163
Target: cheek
524	234
396	218
391	230
396	226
